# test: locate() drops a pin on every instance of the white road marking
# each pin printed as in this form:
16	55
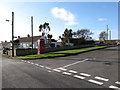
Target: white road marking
25	61
67	73
96	82
75	63
72	71
47	68
100	78
114	87
22	60
56	70
80	77
62	69
32	63
41	66
49	71
37	64
84	74
28	62
117	82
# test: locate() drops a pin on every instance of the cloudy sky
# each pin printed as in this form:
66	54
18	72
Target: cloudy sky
60	15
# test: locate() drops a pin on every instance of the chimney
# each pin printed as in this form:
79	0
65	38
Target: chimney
28	35
18	37
43	34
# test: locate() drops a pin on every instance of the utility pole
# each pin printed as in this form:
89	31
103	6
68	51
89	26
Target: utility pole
32	31
12	34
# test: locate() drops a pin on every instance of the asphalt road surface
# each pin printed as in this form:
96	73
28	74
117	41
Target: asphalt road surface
94	69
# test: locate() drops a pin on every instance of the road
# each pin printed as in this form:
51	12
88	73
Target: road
94	69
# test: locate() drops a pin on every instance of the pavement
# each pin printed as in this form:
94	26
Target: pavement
94	69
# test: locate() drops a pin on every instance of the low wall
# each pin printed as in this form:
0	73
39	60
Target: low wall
23	52
66	48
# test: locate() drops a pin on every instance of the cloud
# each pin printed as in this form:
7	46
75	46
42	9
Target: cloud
63	14
102	19
71	23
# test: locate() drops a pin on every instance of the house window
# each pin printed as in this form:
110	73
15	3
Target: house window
24	45
52	45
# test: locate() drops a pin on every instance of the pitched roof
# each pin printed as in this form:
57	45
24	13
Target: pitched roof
4	44
28	39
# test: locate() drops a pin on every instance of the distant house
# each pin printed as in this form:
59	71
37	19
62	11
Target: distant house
54	43
5	44
26	42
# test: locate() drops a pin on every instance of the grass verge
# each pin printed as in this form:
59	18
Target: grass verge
61	53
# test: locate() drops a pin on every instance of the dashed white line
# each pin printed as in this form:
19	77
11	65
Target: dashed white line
114	87
41	66
28	62
84	74
67	73
72	71
32	63
56	70
117	82
22	60
62	69
37	64
96	82
49	71
75	63
80	77
47	68
100	78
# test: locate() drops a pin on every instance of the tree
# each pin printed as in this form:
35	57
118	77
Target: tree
67	35
82	36
16	43
103	36
45	28
83	33
49	36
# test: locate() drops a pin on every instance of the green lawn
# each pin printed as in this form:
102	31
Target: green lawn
40	56
78	50
60	53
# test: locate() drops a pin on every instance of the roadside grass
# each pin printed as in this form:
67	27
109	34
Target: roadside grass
78	50
7	56
37	56
61	53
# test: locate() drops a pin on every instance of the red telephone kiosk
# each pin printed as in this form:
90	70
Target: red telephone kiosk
41	47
